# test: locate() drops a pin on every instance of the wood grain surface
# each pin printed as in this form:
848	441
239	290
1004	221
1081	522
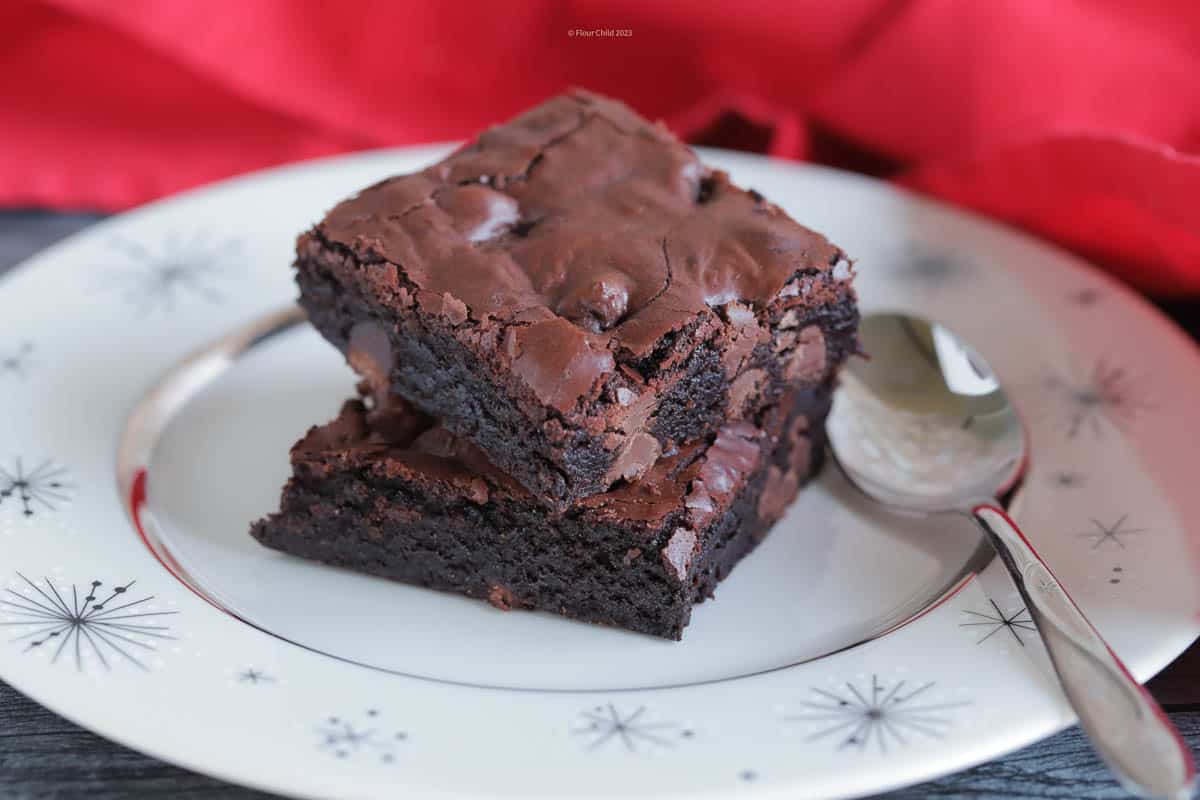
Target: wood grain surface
44	756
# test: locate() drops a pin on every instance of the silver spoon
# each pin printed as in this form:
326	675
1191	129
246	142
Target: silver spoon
924	427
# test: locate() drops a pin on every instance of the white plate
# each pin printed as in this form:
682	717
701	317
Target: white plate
332	684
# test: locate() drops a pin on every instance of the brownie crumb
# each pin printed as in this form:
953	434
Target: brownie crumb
501	598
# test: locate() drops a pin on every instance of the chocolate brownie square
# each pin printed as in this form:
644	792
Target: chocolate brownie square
576	294
392	493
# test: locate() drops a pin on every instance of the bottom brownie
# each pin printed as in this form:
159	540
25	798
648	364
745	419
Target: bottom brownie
389	492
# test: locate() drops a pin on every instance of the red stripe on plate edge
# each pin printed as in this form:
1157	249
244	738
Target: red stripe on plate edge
137	500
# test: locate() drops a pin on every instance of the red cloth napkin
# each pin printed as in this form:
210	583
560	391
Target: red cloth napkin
1077	120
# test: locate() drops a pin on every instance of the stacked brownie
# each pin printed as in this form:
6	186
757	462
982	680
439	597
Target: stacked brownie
595	371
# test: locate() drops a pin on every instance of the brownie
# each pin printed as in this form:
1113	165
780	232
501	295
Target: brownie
578	295
392	493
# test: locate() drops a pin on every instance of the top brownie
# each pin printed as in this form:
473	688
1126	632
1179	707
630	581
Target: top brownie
577	294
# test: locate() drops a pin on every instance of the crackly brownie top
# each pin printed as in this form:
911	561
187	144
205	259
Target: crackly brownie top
399	442
586	231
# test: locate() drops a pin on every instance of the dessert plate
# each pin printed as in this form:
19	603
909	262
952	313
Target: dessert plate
852	652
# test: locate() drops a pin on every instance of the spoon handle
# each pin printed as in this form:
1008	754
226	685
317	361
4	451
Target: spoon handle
1126	726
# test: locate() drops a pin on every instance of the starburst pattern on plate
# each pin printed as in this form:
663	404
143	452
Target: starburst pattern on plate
989	623
887	716
17	362
84	622
254	677
930	267
40	488
346	738
1086	297
1102	535
181	268
632	729
1068	479
1103	395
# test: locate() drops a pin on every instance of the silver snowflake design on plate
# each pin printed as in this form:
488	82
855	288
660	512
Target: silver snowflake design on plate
930	267
17	362
1068	479
1098	398
180	268
254	677
94	621
358	738
634	729
42	488
989	623
1086	297
878	715
1114	533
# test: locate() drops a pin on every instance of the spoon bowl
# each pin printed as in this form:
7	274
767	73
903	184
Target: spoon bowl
923	425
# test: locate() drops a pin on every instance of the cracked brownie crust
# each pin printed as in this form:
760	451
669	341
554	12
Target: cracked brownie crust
390	492
577	295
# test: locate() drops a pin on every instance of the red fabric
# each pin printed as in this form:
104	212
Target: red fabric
1077	120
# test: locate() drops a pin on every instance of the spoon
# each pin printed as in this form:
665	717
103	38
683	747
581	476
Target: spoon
924	427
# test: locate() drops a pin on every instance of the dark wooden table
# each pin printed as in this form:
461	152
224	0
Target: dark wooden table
44	756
